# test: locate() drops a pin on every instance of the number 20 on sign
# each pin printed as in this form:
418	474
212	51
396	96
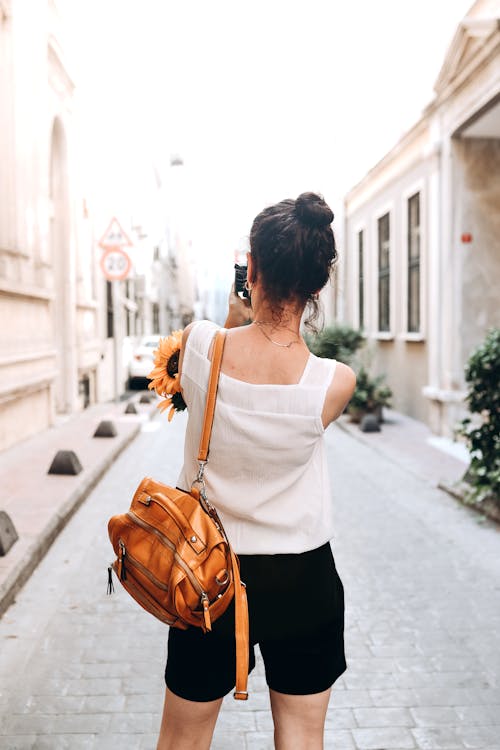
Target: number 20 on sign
115	264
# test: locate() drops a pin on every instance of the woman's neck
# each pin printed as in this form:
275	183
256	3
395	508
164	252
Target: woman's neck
287	317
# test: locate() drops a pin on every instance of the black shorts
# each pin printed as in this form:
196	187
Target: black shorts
296	609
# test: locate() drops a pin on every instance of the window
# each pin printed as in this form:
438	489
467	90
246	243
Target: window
413	245
128	312
384	271
361	298
156	317
84	390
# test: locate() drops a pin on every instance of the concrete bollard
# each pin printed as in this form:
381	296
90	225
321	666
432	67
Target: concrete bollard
65	462
8	533
106	428
370	423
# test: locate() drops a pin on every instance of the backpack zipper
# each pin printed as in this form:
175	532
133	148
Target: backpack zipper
122	572
204	600
135	563
212	512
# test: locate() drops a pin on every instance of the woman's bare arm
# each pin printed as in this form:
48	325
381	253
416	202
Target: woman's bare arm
339	393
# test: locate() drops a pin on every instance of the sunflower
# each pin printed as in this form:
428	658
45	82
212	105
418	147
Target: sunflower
165	375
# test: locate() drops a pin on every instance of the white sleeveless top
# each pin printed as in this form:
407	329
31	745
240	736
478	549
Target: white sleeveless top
267	472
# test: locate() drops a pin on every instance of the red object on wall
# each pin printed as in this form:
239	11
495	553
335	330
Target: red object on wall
466	238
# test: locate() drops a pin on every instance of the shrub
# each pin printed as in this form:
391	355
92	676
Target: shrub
482	435
370	393
335	342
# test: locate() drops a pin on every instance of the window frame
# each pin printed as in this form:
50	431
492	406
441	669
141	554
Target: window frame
383	210
415	187
357	228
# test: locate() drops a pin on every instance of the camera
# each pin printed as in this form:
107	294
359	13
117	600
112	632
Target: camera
240	277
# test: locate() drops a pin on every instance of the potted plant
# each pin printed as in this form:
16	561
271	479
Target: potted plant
370	396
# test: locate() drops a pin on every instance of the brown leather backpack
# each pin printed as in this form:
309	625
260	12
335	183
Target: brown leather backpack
173	555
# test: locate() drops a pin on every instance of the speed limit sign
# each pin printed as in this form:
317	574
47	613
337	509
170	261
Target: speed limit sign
115	264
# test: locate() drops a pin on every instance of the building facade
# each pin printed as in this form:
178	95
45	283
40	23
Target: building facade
68	333
49	344
422	231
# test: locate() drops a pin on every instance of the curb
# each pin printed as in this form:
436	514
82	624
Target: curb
487	508
40	545
414	459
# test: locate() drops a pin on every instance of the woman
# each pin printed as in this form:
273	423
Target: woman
268	478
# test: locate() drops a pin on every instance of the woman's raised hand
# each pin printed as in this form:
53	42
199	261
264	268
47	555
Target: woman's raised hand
239	310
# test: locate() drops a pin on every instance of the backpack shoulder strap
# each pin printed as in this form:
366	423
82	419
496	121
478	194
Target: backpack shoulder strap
213	382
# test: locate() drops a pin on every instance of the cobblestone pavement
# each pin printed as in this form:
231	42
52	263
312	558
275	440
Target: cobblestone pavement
80	670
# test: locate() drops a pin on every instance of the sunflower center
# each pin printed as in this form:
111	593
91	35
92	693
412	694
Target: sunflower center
173	364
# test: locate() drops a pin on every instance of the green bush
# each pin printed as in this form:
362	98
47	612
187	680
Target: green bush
482	373
371	393
335	342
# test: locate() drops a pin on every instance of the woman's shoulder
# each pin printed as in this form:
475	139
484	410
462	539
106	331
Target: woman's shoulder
321	370
334	370
196	340
345	377
199	333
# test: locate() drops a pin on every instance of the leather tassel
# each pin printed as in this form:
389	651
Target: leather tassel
206	613
111	588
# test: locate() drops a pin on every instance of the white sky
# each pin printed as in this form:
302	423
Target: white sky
262	99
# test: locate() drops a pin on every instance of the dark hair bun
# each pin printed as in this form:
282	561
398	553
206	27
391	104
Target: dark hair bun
312	210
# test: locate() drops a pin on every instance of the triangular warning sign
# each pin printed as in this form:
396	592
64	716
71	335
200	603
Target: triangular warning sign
115	236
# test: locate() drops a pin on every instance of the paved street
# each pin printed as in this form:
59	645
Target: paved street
80	670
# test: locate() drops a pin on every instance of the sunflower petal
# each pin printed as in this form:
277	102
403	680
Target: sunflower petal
163	405
156	372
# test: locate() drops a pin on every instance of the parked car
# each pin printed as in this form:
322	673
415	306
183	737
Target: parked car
141	361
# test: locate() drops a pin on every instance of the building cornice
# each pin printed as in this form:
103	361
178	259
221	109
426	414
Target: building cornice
24	386
87	304
16	289
59	77
15	359
14	253
466	50
444	395
475	45
485	52
411	136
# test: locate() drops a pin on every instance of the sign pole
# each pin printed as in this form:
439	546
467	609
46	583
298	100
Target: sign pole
116	266
115	295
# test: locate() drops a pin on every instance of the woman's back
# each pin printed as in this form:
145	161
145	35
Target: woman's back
250	358
267	471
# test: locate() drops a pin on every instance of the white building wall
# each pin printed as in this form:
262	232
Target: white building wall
400	354
49	339
453	156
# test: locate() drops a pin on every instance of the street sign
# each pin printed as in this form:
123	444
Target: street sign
115	236
115	264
